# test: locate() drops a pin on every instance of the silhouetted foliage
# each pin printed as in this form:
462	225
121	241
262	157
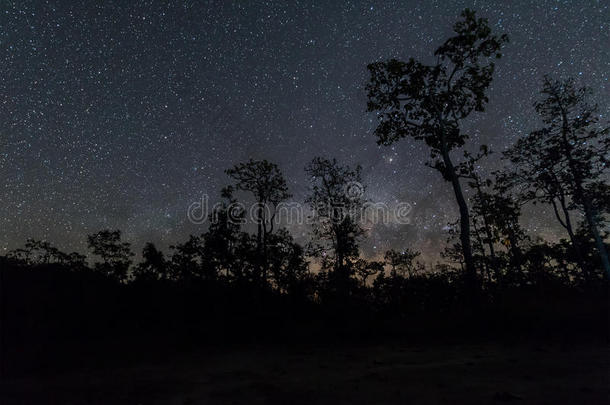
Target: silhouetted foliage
267	184
496	233
564	162
221	241
153	266
115	255
428	102
365	269
287	264
336	217
402	263
42	252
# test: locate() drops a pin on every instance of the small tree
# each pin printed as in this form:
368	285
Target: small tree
402	263
153	265
429	102
287	262
504	213
221	239
187	259
365	269
116	255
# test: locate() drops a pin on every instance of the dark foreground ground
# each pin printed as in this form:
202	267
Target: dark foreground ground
358	374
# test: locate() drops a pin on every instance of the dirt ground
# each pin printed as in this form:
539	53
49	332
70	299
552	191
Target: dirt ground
383	374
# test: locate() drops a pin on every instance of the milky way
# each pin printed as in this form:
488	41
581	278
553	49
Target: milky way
119	116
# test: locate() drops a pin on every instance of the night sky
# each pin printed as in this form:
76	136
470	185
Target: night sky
119	116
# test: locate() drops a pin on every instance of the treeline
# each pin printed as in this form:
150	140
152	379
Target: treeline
503	253
269	262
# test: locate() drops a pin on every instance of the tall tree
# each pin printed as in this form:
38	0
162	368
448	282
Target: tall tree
268	186
429	102
572	151
336	201
534	178
571	125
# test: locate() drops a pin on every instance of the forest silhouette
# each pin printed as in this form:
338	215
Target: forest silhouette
232	284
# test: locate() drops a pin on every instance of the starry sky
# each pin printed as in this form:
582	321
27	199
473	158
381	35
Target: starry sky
119	114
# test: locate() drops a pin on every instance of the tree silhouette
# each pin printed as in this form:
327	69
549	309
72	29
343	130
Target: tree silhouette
36	252
268	186
153	265
481	216
74	260
187	259
223	236
571	128
534	180
504	212
365	269
287	262
567	159
336	212
115	255
42	252
428	102
401	263
494	216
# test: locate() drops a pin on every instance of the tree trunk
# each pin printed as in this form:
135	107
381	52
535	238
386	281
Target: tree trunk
567	224
571	234
464	219
583	197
